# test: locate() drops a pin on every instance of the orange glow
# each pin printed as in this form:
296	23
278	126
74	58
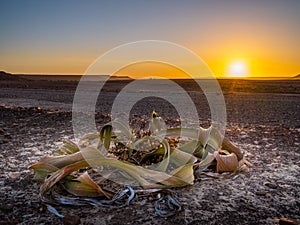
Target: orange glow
152	69
256	64
237	69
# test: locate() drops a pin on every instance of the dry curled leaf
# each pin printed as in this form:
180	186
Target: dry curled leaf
226	163
84	186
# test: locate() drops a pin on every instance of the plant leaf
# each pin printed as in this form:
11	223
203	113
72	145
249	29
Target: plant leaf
166	150
229	146
226	163
69	147
214	141
105	135
84	186
177	132
185	173
201	135
206	161
145	177
159	151
58	161
163	165
180	158
42	170
60	174
190	147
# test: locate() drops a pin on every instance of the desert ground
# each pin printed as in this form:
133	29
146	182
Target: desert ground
263	119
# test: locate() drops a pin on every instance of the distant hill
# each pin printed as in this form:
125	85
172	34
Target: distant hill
8	76
39	77
297	76
4	76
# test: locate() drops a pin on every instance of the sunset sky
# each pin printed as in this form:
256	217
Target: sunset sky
235	38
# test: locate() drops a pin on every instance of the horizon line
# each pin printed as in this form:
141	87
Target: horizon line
118	75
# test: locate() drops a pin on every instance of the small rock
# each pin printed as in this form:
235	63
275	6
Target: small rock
2	131
271	185
261	193
244	136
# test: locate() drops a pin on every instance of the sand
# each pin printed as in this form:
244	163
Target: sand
263	120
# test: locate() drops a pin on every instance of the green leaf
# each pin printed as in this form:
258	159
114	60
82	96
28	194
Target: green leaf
69	147
163	165
159	151
192	147
105	135
201	135
42	170
166	150
206	162
180	158
215	140
185	173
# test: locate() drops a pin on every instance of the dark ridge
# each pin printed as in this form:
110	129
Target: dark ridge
8	76
297	76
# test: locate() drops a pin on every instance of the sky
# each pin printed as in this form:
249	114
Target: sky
235	38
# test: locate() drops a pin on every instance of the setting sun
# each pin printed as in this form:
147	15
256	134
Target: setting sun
238	69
